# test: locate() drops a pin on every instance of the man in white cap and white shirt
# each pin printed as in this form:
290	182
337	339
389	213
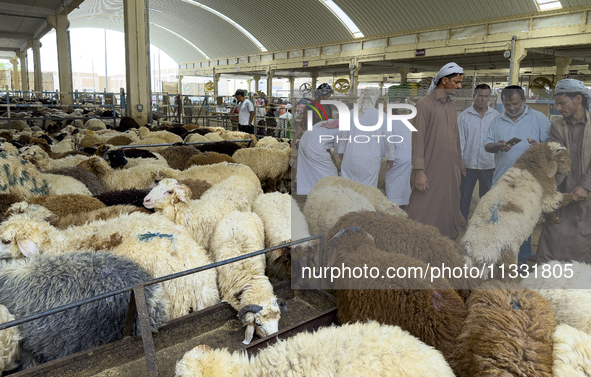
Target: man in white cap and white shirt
570	240
436	155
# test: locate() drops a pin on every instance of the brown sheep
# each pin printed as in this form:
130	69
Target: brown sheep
63	205
177	156
508	332
81	218
6	200
120	140
208	158
431	311
197	187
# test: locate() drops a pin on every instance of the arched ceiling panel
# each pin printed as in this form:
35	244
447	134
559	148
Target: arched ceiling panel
177	48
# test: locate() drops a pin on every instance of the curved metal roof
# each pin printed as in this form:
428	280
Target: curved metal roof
182	28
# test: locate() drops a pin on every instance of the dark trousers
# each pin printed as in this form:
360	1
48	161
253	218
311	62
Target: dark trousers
484	178
247	129
524	252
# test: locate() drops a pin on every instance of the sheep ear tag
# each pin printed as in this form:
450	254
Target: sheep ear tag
28	248
552	168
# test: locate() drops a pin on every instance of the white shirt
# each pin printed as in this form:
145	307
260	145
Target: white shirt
473	131
314	160
244	112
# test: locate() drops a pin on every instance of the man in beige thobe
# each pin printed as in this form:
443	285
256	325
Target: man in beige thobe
570	240
436	156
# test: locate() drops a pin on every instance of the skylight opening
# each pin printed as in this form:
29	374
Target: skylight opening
344	18
181	37
231	21
548	4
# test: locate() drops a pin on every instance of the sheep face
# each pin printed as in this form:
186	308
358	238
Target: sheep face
262	319
563	162
20	237
167	192
29	211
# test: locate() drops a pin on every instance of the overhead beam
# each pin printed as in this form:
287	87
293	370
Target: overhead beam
8	35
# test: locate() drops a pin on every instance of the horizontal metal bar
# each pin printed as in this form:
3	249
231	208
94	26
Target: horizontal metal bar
178	144
62	308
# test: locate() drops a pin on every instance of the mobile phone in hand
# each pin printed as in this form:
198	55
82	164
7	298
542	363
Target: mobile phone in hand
513	141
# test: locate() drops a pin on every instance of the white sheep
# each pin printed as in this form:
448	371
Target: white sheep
61	185
168	137
351	350
94	125
571	352
66	145
570	301
268	164
507	214
244	284
38	156
9	342
172	200
326	204
380	202
158	245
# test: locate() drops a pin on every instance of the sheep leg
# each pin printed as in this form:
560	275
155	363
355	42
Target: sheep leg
566	199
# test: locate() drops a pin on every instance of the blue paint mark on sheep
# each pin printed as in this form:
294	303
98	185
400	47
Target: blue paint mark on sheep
149	236
494	214
515	304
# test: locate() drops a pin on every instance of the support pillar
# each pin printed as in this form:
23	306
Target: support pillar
137	57
518	53
216	82
38	74
291	89
562	67
64	59
314	76
256	84
403	74
24	70
270	75
355	68
15	82
248	82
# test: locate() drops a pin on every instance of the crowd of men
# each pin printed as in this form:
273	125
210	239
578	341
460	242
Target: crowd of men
436	177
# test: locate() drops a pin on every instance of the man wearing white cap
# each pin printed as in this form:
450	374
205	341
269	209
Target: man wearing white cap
571	238
436	155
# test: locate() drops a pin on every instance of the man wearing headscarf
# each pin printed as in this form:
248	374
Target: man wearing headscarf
436	155
320	113
571	238
362	151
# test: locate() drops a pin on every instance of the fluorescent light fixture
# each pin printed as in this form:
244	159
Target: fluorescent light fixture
343	17
155	10
548	4
231	21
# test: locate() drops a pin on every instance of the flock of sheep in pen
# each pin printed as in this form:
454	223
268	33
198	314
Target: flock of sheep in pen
81	217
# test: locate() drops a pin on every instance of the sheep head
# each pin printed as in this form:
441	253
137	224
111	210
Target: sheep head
29	211
544	160
560	162
167	192
262	319
37	156
22	237
95	165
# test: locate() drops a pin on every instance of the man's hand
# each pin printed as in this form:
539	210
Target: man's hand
389	164
502	146
580	194
531	142
463	169
421	181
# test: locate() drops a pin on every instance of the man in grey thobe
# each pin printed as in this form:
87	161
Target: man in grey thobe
570	240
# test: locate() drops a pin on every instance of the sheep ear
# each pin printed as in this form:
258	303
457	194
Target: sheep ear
552	168
28	248
152	185
248	334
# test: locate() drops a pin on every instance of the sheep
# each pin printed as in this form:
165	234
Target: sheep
120	140
94	125
324	206
91	181
225	147
274	210
168	137
63	205
142	176
375	196
244	284
507	331
62	185
208	158
431	311
213	137
197	130
48	281
359	349
159	246
570	303
9	342
6	200
171	200
123	197
236	135
56	156
38	156
128	122
197	187
268	164
507	214
20	177
195	138
571	353
78	219
177	156
9	149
